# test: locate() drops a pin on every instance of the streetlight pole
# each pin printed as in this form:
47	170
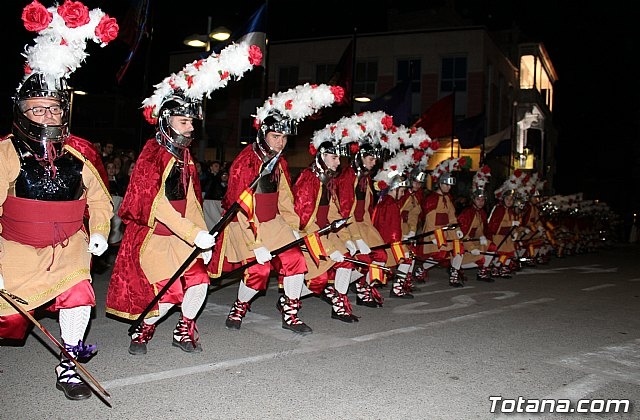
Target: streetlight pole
204	139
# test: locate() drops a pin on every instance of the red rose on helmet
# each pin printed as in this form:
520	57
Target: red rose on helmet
255	55
147	113
338	93
36	17
107	29
74	13
312	149
354	148
387	122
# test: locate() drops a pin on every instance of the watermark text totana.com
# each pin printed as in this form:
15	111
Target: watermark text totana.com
524	405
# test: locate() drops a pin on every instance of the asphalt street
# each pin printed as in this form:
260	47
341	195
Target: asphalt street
566	331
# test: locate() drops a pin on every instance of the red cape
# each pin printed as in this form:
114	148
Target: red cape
129	291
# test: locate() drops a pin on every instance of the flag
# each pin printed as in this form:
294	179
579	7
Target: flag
395	102
343	74
397	251
492	141
254	32
315	247
470	131
458	247
133	29
503	258
375	273
246	204
437	121
440	238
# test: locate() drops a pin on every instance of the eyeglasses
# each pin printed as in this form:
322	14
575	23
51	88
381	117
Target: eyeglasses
39	111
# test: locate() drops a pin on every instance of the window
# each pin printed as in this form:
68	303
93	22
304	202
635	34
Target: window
453	75
287	77
324	72
410	70
366	78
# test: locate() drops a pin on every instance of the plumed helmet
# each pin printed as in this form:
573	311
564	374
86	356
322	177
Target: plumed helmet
319	166
63	31
277	122
398	181
509	192
176	104
37	85
419	176
447	178
478	193
364	150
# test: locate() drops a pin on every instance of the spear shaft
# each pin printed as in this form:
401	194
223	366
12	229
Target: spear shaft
83	371
231	212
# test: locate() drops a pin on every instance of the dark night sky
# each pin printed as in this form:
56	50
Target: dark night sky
593	49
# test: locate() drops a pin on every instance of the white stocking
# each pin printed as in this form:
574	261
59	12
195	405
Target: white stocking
73	323
193	300
343	278
245	293
293	286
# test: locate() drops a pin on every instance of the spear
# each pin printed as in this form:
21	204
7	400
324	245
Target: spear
505	237
414	238
331	227
364	264
231	212
9	297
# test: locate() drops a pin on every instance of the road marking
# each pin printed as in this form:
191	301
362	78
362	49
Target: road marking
600	286
583	269
613	363
573	391
311	344
459	301
618	362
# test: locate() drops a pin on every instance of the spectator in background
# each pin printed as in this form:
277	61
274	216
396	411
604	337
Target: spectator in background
107	151
216	189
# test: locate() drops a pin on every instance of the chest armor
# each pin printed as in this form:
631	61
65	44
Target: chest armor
173	186
36	179
268	183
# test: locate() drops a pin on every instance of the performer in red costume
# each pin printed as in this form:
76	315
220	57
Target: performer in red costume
315	203
54	201
474	225
503	225
413	218
388	220
356	198
440	212
534	249
162	208
272	221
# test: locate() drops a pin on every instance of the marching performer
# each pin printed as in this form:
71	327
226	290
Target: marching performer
162	208
503	225
315	203
356	198
473	224
269	220
440	213
50	181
